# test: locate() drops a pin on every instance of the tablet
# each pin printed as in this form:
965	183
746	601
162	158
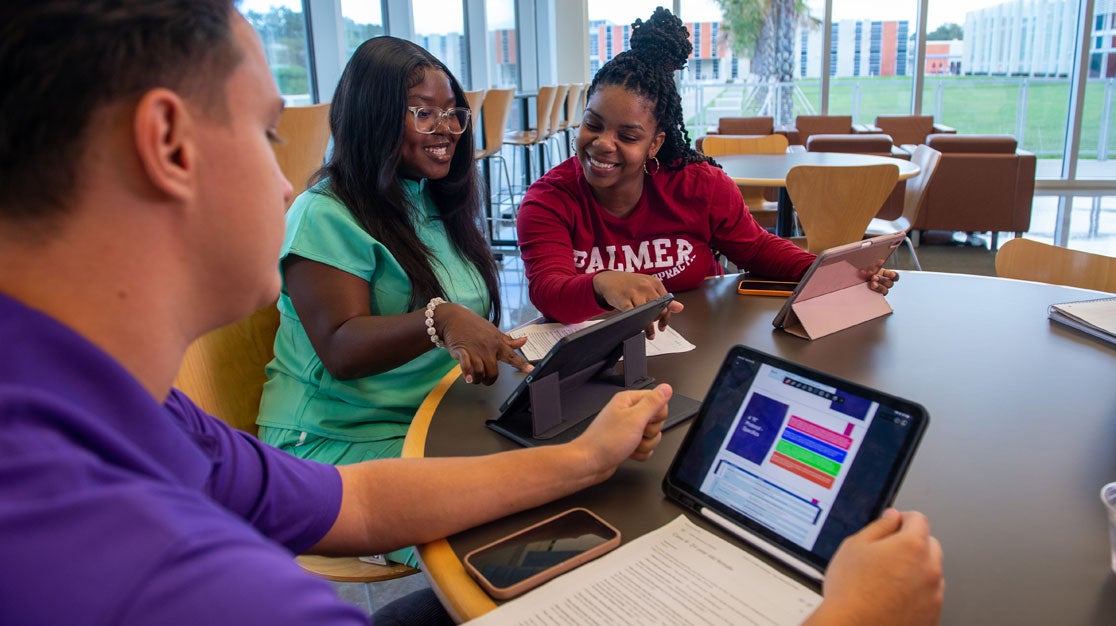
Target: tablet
576	381
833	293
793	460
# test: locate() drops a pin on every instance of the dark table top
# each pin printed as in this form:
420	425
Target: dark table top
1022	436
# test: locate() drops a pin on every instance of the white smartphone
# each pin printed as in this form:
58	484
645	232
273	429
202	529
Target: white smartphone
526	559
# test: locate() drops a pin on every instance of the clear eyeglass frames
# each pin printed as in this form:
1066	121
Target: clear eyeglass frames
428	119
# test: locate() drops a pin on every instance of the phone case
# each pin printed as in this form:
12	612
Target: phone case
772	288
506	593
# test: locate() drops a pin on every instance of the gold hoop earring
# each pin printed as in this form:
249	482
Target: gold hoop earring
648	172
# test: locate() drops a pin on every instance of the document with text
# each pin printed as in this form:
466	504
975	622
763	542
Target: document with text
542	337
678	574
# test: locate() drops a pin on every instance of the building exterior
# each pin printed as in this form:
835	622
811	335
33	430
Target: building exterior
944	57
857	48
711	60
1035	38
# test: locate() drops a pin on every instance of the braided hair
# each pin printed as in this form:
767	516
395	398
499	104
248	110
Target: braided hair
659	46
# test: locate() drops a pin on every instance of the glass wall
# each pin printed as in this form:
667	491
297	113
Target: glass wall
503	44
871	58
363	20
440	28
281	25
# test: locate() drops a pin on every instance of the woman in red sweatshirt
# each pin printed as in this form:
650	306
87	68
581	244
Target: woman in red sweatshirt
637	211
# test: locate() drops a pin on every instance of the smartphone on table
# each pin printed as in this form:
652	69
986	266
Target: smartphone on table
526	559
764	287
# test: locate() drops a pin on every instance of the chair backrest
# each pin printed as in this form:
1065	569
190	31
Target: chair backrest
223	370
983	183
544	101
476	105
557	109
746	126
305	134
497	108
720	145
860	144
573	105
1025	259
835	204
807	125
906	129
927	159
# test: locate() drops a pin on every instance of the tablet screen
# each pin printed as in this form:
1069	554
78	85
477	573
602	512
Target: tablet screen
800	458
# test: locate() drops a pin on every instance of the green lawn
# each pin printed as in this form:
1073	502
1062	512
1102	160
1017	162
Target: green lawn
975	104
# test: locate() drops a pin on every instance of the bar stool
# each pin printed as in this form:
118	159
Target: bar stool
557	111
497	108
476	102
575	107
535	136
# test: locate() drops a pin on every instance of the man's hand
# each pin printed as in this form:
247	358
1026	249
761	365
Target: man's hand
889	573
630	426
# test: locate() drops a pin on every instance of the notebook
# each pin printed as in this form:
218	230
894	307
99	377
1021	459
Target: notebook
1096	317
793	460
833	294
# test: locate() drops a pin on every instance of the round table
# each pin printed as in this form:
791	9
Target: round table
770	170
1022	435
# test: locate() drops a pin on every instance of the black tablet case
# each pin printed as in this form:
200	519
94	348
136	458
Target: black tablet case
579	375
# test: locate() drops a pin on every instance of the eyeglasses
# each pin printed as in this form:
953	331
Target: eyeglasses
428	119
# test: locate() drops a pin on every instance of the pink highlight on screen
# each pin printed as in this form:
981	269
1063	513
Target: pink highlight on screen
848	429
818	432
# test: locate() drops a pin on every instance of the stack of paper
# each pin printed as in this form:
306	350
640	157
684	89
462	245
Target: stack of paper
542	337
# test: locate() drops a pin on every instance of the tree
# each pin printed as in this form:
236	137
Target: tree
764	31
946	32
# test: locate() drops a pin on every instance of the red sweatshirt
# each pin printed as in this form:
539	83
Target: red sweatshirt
565	237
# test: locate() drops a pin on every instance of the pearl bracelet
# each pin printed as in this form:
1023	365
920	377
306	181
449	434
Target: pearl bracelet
430	330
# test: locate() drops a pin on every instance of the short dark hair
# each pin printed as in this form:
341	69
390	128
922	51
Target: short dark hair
366	120
660	46
61	60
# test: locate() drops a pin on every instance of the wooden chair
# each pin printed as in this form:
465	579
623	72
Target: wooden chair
762	210
835	204
534	136
305	134
557	110
476	104
1025	259
927	160
223	370
574	109
497	108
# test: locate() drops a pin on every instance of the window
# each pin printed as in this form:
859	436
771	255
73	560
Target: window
363	20
503	62
441	30
282	28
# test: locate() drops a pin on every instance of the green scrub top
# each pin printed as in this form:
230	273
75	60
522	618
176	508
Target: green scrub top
300	394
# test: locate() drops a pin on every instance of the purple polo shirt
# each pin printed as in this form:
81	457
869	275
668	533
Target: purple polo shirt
115	509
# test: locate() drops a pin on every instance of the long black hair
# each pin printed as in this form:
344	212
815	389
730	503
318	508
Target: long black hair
660	46
366	119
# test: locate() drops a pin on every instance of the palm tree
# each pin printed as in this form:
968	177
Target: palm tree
764	30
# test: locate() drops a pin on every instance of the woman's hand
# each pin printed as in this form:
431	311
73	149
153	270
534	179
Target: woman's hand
477	344
879	279
624	291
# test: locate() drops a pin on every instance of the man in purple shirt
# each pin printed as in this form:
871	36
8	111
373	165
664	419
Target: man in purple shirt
141	206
